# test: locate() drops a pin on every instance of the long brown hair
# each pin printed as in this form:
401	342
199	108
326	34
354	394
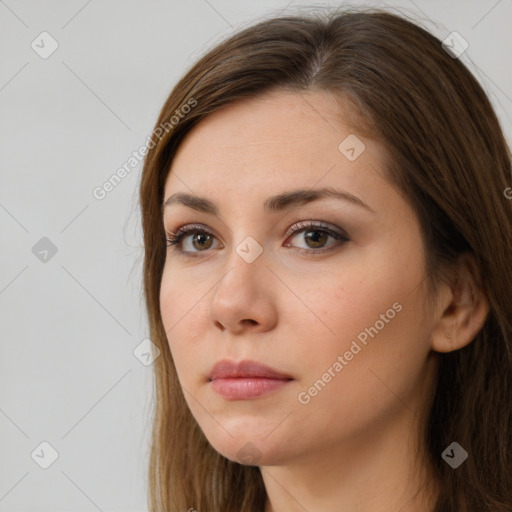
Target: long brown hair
449	159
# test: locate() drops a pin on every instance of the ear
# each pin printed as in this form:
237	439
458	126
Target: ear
464	308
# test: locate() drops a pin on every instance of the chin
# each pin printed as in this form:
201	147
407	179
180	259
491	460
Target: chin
244	447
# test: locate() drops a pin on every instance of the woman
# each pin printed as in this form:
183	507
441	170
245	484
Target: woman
344	342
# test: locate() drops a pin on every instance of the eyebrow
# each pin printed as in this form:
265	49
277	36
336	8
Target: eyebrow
273	204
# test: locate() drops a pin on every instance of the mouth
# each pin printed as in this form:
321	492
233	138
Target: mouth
246	379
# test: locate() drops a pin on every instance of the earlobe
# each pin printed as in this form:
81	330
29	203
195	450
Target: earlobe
465	309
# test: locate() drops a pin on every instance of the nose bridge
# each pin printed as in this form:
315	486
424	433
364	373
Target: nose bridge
246	262
247	237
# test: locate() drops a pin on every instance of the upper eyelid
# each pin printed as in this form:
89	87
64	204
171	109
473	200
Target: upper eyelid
305	224
188	229
294	227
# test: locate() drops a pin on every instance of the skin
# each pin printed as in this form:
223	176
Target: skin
353	446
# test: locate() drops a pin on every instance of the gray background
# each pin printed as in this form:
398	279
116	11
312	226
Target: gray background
70	321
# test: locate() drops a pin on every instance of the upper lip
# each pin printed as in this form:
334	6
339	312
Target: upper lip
229	369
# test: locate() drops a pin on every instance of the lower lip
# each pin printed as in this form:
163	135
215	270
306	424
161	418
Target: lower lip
244	388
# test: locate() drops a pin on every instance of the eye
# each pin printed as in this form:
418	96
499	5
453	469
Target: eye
316	236
201	239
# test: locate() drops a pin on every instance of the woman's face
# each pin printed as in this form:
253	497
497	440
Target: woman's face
339	308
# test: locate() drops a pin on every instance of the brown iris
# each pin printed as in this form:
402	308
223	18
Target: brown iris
203	237
318	237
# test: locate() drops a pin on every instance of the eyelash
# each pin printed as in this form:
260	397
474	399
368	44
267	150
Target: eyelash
174	240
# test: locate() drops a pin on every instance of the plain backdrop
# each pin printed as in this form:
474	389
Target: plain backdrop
74	395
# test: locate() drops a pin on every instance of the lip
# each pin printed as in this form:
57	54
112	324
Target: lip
245	379
226	369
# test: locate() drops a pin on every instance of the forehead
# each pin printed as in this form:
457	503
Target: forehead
271	143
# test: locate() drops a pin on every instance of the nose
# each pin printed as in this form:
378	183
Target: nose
245	297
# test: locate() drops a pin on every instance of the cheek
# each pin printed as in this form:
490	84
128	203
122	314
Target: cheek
374	317
356	384
183	315
179	297
343	304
